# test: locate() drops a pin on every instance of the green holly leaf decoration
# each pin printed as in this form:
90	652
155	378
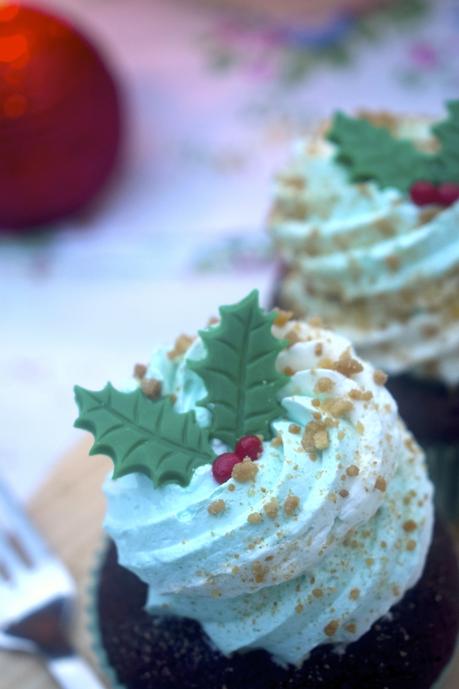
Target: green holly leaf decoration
141	435
239	372
445	165
372	153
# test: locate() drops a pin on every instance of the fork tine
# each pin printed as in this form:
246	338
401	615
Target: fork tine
14	521
10	560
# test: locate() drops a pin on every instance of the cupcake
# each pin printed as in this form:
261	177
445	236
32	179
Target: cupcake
270	519
365	223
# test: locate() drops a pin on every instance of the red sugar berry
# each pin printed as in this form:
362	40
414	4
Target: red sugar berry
424	193
249	446
223	466
448	193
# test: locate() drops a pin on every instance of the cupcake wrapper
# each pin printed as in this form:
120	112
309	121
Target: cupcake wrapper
93	623
443	464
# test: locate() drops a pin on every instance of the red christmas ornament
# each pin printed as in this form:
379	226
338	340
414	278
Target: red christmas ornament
223	465
249	446
60	119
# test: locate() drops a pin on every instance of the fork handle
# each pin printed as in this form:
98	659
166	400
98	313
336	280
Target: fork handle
72	672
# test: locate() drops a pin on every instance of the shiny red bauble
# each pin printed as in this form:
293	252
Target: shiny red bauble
60	119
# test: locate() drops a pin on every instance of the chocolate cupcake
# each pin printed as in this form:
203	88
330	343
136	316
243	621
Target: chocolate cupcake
272	518
365	223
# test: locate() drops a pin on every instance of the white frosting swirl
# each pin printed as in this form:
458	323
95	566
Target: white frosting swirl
376	266
325	539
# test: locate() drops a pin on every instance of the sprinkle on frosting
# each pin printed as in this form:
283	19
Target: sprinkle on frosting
272	508
182	344
216	507
140	371
245	471
255	518
291	504
151	388
331	628
381	484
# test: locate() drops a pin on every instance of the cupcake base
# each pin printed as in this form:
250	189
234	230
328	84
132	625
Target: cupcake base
408	649
431	412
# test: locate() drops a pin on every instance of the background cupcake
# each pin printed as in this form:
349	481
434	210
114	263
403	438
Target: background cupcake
365	221
264	482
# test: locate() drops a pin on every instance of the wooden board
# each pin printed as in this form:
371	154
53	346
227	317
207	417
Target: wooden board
69	511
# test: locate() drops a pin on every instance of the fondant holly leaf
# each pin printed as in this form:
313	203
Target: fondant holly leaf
372	153
445	165
141	435
239	372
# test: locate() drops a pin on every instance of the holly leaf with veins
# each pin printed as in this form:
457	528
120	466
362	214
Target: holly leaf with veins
372	153
445	164
239	372
143	435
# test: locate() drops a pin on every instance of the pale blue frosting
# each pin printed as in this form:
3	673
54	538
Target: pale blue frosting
284	583
370	261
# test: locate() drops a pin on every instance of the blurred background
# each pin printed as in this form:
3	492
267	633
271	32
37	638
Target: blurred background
138	141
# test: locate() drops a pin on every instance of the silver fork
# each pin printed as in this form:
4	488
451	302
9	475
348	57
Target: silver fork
37	599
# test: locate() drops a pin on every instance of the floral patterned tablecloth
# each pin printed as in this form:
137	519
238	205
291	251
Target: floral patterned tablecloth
212	103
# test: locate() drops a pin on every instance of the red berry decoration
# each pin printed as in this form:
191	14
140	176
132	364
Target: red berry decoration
60	119
424	193
448	193
222	467
249	446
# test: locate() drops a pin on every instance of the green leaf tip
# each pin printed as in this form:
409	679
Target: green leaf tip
142	435
370	152
239	372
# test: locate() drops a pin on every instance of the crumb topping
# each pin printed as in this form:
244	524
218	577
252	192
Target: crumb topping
361	395
291	504
245	471
182	344
216	507
338	406
259	572
255	518
315	437
381	484
282	317
410	526
140	371
151	388
331	628
347	365
324	385
272	508
353	470
379	377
